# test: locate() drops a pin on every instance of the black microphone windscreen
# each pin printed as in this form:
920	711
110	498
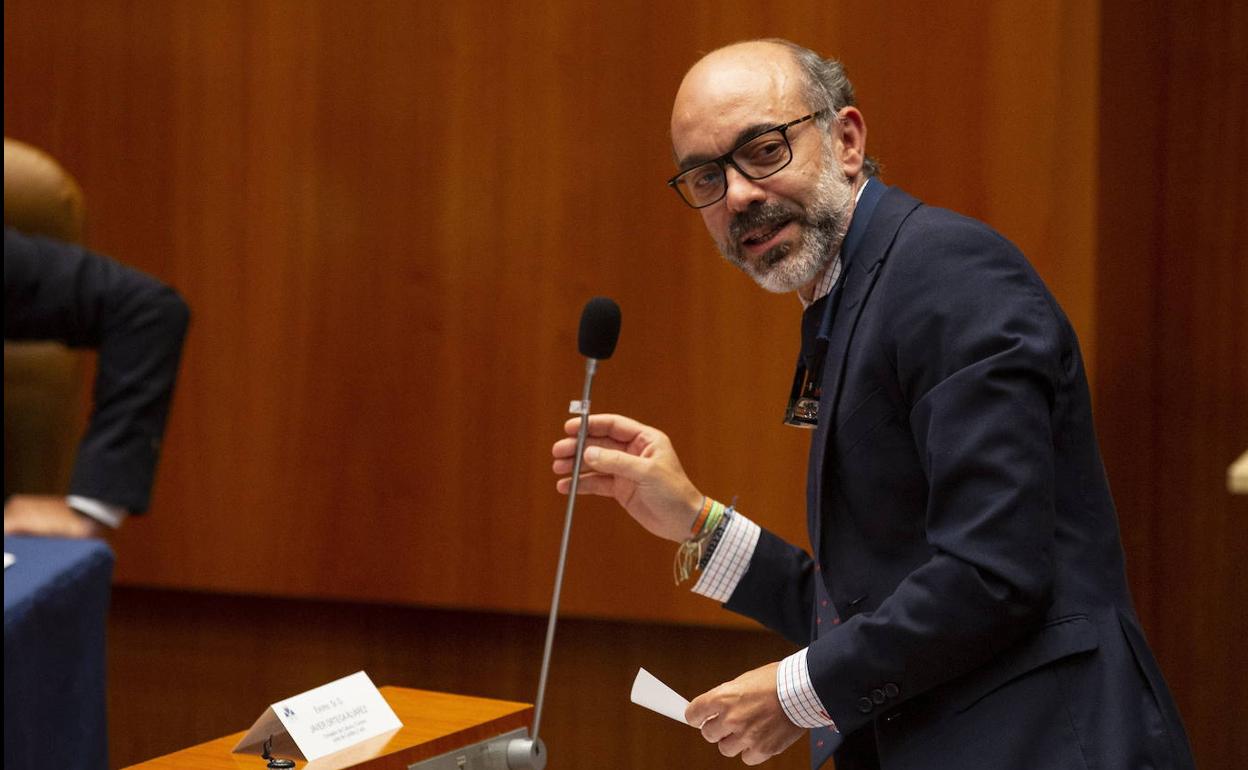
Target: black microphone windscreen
600	328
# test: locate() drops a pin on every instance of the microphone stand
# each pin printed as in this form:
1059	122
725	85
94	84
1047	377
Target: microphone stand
530	753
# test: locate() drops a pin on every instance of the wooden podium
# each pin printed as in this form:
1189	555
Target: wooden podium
434	723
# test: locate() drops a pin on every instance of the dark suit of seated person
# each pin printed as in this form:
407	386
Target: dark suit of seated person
58	291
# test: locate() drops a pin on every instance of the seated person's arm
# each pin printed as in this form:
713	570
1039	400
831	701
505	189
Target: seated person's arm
58	291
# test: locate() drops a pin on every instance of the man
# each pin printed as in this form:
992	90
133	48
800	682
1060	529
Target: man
57	291
966	604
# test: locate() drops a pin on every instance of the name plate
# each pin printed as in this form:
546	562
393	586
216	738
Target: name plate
322	721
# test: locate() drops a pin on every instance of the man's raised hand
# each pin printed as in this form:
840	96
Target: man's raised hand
636	465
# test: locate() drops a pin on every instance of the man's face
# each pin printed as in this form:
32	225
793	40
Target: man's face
784	229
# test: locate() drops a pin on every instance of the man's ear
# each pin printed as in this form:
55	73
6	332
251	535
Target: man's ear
850	132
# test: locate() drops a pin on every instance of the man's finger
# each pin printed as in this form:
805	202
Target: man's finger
753	756
564	464
701	712
731	745
566	447
616	463
616	426
590	484
714	730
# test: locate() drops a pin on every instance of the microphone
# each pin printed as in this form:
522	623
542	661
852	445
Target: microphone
600	328
596	338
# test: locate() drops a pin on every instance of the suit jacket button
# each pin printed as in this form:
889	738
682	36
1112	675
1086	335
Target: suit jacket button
877	696
865	705
892	690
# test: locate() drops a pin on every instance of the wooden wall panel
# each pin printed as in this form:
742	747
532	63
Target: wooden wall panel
990	109
1172	285
386	216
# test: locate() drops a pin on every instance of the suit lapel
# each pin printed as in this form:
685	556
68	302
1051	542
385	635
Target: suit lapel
865	250
863	259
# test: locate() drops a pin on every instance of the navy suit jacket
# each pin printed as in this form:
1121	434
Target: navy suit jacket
58	291
960	519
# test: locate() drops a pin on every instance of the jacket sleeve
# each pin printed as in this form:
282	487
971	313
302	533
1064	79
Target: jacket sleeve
976	345
58	291
777	589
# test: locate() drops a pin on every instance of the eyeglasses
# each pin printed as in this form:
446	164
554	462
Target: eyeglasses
758	157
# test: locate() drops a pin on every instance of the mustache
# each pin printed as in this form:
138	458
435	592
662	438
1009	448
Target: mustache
752	218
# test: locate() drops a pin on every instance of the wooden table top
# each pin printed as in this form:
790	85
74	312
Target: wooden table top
433	723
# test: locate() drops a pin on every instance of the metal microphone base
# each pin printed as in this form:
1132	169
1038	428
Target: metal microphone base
510	751
526	754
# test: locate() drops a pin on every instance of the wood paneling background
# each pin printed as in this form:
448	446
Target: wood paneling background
386	216
1172	296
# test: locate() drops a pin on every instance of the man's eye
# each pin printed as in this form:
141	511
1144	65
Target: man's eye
705	179
766	151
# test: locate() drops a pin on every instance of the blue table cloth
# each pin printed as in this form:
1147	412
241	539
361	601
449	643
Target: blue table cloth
55	604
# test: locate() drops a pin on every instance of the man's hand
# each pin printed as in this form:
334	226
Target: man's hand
636	465
47	516
744	717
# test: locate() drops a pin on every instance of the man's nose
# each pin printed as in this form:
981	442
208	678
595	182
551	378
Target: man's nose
742	191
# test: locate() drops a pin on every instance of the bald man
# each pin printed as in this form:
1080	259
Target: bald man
964	602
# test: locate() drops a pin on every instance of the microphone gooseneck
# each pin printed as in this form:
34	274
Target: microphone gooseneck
598	334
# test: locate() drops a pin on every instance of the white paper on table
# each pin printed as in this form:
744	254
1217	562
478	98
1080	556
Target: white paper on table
648	691
9	559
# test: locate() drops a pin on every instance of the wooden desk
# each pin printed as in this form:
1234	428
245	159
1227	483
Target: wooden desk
433	723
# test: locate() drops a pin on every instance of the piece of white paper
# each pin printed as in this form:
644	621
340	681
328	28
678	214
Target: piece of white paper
9	559
648	691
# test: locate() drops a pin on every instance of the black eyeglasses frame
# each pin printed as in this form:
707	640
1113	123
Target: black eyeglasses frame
725	160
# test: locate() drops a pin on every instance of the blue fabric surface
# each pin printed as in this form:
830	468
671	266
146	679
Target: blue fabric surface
55	604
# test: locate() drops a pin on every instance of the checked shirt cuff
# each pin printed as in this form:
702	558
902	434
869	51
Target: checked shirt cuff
730	560
797	694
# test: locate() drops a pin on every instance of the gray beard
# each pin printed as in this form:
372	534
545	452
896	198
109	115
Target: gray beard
789	267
